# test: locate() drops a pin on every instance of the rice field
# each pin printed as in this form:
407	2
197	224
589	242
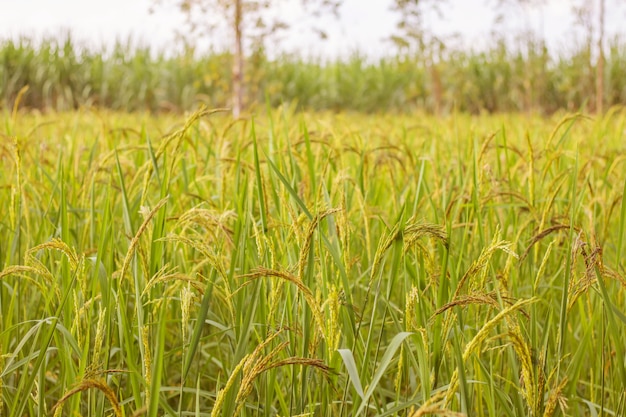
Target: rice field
312	264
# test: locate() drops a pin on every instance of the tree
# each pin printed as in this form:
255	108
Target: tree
585	17
600	66
415	36
532	46
250	21
590	17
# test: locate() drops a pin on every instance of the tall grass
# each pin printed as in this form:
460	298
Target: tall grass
310	264
64	75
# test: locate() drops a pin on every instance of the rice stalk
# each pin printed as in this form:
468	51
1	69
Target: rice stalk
529	381
531	171
477	271
542	266
147	363
221	395
98	341
206	251
135	240
213	222
308	238
556	399
489	299
186	298
76	322
245	364
21	270
412	299
2	364
265	364
261	272
58	245
333	329
435	405
163	276
384	243
539	236
414	231
570	118
84	385
479	338
15	205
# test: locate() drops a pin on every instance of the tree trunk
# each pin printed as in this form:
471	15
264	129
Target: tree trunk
600	65
436	84
238	61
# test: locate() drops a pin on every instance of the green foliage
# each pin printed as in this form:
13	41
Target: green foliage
64	75
312	264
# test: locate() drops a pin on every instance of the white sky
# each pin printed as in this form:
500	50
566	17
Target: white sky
363	25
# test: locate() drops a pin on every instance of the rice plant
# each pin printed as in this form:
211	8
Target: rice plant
312	264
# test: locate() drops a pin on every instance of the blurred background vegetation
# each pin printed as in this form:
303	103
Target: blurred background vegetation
424	72
62	75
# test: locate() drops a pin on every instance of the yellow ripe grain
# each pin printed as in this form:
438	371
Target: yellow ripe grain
384	243
186	298
434	406
76	322
529	388
308	239
147	362
531	170
480	337
99	338
12	207
477	271
221	395
21	270
259	242
265	364
542	267
414	231
212	259
397	383
162	277
84	385
554	399
16	190
333	335
59	245
1	379
255	366
412	299
135	240
306	292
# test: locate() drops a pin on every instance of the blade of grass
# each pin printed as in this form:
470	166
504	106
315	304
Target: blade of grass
259	181
197	330
353	372
157	370
568	261
382	367
26	384
620	230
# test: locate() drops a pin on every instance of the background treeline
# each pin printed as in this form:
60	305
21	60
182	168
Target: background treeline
63	75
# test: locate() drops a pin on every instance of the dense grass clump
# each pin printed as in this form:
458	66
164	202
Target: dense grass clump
312	264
